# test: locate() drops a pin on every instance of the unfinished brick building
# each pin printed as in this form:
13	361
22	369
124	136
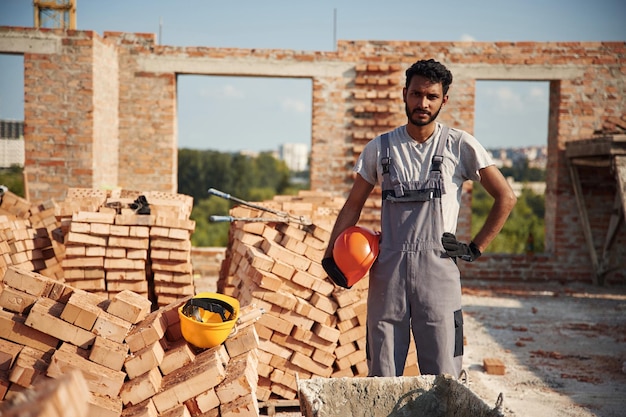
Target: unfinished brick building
100	111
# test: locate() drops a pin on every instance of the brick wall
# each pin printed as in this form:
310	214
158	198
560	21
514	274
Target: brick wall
106	141
148	155
356	95
58	117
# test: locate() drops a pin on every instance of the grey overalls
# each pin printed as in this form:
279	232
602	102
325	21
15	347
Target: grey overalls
413	283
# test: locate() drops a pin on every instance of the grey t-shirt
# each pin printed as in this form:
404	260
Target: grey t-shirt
463	158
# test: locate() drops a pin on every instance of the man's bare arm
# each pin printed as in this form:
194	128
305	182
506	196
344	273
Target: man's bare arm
504	200
351	211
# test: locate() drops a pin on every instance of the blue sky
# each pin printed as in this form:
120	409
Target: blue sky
229	114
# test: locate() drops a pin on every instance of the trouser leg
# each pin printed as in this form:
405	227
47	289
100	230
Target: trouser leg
387	348
437	322
388	317
439	345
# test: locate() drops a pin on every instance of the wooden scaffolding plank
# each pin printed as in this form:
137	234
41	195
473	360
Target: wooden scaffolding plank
620	175
607	151
584	218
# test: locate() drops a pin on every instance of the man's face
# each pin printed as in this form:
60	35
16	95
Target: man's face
423	100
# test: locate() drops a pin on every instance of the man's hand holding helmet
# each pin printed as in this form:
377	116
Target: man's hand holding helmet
354	252
334	272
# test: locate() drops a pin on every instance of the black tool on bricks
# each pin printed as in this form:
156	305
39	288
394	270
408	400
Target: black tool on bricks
282	216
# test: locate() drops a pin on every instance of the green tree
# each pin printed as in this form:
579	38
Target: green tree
247	178
536	202
200	170
244	177
272	173
207	233
521	172
232	173
525	223
261	194
13	179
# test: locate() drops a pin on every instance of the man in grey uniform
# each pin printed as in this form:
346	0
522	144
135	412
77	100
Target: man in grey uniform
415	283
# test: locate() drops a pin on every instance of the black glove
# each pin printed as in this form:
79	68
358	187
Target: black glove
454	248
334	272
140	205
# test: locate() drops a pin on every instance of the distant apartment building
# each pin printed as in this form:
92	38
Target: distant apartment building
500	157
537	156
11	143
536	187
295	156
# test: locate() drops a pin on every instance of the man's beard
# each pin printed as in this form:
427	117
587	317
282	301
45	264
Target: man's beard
419	122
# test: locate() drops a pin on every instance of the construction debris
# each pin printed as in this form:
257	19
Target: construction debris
494	366
426	396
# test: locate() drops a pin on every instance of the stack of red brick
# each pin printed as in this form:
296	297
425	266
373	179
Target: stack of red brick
96	241
132	362
26	232
114	248
311	327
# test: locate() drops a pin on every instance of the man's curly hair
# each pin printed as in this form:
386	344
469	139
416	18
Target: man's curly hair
433	71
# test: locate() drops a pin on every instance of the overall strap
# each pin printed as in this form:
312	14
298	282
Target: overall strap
438	157
385	161
392	188
390	175
213	305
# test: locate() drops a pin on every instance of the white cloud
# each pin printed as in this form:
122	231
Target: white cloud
290	104
505	98
537	93
225	91
230	91
467	38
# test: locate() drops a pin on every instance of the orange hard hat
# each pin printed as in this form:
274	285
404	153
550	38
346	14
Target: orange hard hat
354	252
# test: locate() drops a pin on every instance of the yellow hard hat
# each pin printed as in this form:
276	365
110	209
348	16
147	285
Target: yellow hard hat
207	319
